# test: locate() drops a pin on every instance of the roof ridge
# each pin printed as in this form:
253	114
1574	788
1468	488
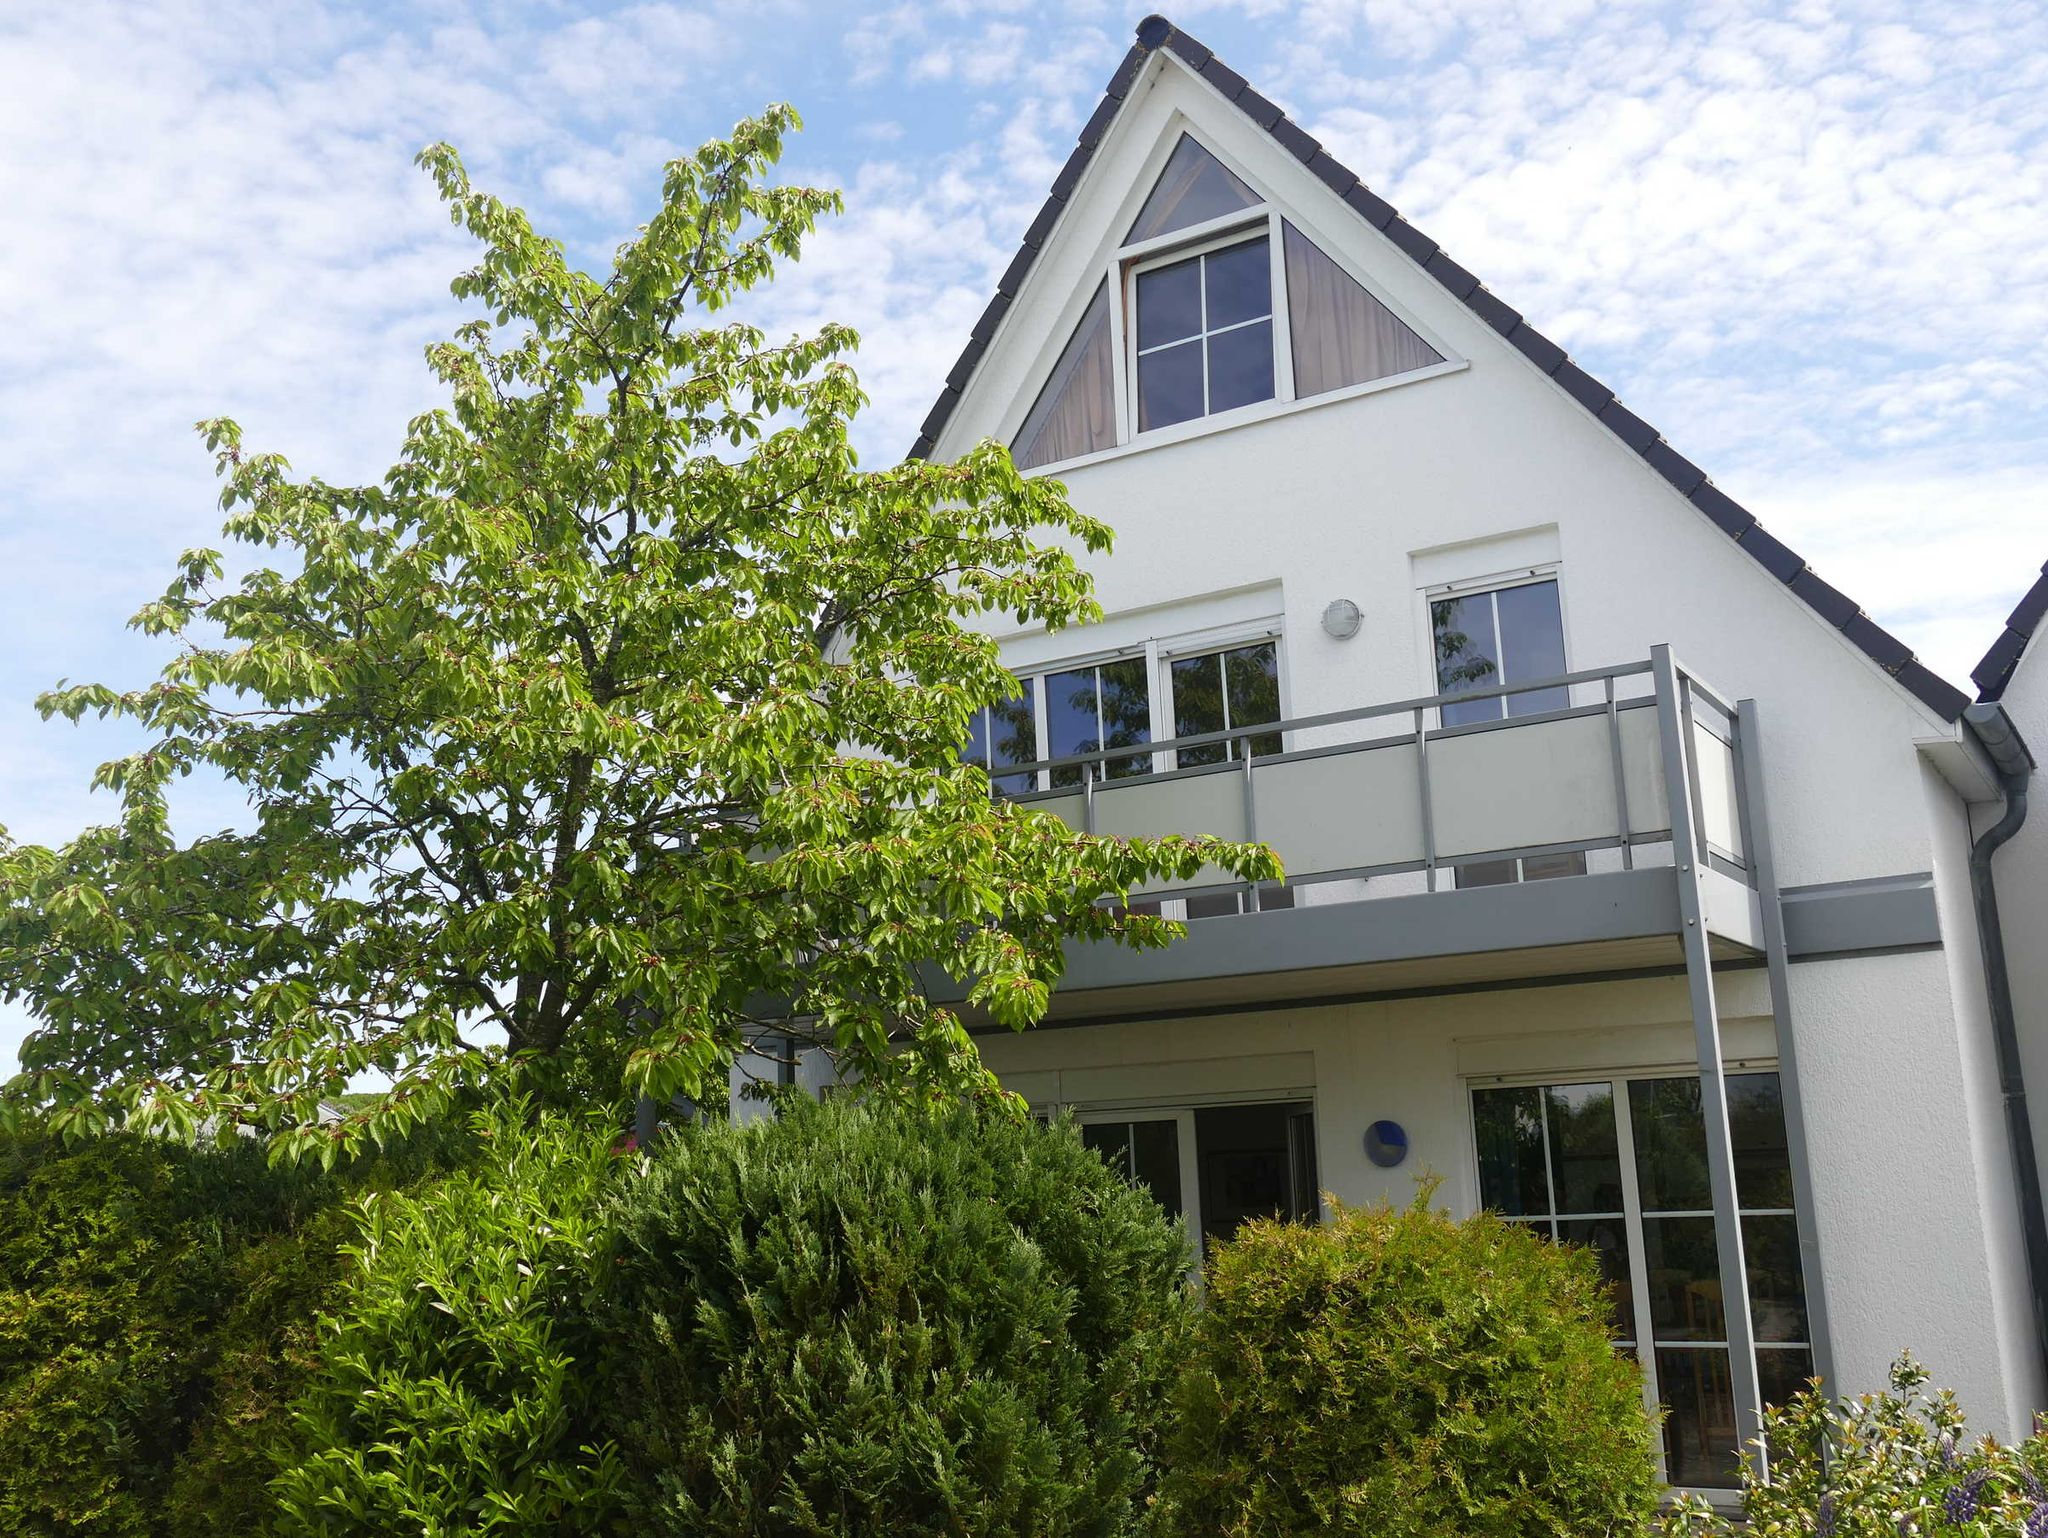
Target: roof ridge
1993	673
1154	33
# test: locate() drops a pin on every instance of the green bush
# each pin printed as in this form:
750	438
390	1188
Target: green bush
856	1320
457	1375
1888	1465
1395	1372
156	1320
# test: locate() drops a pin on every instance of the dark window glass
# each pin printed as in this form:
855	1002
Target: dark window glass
1198	707
1777	1288
1169	386
1250	1158
1071	723
1253	677
1215	905
1756	1123
1671	1145
1155	1160
1509	1123
1239	285
1699	1424
1532	645
1126	714
1783	1371
1607	1238
1685	1279
1545	867
975	749
1487	873
1467	656
1194	186
1170	303
1585	1156
1013	739
1241	366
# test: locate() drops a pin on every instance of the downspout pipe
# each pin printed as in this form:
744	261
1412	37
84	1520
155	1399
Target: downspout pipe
2002	744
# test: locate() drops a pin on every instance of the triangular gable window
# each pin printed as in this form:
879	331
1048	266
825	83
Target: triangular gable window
1194	187
1075	413
1341	335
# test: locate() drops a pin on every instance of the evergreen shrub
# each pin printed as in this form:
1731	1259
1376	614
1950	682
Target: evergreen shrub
1890	1465
457	1372
1396	1372
868	1320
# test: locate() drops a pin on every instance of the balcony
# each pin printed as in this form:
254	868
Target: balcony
1386	819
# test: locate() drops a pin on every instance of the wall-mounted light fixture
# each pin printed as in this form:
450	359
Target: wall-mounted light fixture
1386	1143
1341	619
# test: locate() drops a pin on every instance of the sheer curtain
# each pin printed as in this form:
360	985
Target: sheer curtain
1075	413
1341	334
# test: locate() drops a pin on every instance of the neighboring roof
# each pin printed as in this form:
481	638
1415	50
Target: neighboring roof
1734	520
1995	671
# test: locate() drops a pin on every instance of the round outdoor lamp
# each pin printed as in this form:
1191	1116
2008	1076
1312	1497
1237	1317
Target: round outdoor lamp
1386	1143
1341	619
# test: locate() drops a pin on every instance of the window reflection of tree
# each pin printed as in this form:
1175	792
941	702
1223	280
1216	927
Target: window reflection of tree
1458	666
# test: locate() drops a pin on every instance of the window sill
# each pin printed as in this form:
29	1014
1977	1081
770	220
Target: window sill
1244	416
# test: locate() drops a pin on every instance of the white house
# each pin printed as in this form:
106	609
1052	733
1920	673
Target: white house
1628	861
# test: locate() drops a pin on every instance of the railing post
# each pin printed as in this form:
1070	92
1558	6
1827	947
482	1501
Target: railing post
1628	852
1422	781
1754	805
1689	870
1251	822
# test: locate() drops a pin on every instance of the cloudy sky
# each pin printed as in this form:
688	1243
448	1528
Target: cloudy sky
1809	242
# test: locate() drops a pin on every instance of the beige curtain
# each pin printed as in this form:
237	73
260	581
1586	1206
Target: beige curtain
1075	413
1341	334
1194	186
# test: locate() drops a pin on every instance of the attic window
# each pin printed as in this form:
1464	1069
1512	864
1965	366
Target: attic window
1215	305
1194	188
1075	413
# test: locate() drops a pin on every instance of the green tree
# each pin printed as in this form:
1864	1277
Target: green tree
623	713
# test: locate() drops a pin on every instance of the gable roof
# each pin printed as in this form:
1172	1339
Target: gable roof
1995	671
1737	522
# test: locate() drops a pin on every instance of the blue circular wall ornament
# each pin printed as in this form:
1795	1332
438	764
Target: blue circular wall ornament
1386	1143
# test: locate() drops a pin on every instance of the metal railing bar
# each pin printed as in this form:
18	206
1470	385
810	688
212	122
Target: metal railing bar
1628	858
1356	713
1422	787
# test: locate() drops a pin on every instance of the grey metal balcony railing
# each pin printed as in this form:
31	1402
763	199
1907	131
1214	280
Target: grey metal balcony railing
1383	790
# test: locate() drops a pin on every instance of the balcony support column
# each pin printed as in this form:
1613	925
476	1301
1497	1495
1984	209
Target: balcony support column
1689	867
1756	841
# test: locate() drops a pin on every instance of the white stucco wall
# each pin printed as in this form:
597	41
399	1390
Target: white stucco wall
1363	497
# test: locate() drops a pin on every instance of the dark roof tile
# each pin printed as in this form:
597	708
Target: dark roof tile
991	317
1258	109
1370	206
1411	240
970	359
1070	173
1582	386
1451	275
1932	690
1878	643
1828	601
1290	137
1048	216
1127	73
1776	558
1225	79
1493	309
1994	672
1536	347
1155	32
1197	54
1332	173
1098	121
1991	675
1681	472
1729	514
1627	426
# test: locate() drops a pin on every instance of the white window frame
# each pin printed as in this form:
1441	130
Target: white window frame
1183	1117
1645	1345
1235	229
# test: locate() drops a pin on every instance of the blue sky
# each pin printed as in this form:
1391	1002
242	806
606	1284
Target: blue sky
1809	242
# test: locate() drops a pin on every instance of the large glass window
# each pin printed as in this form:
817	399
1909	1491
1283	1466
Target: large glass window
1220	691
1002	734
1075	413
1205	334
1502	636
1105	705
1558	1157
